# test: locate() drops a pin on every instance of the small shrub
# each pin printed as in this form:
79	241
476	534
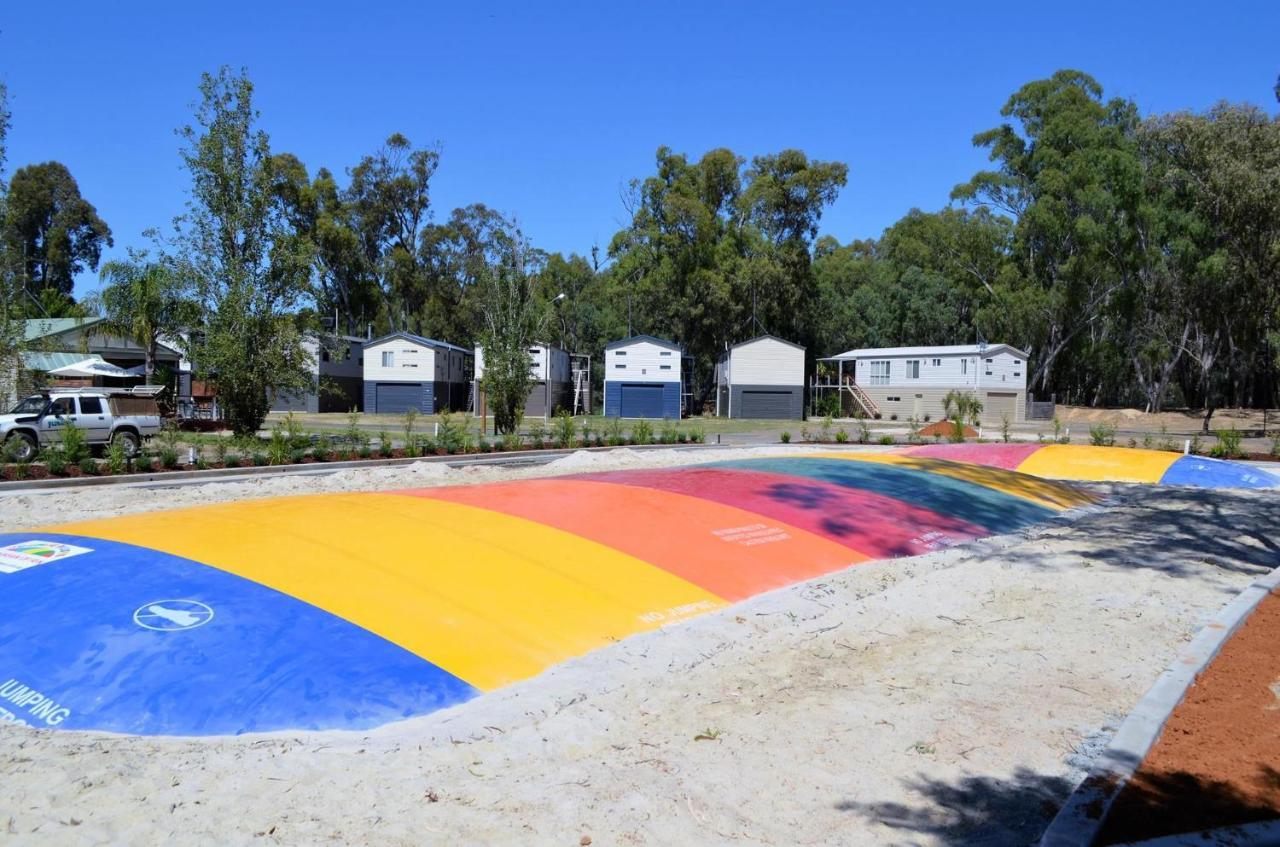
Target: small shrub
1004	428
697	435
168	458
586	434
410	416
117	459
220	451
293	431
511	442
564	428
384	443
55	460
1166	443
805	435
642	433
842	437
956	435
452	436
365	451
913	430
1228	446
893	416
864	431
1275	446
483	445
1147	441
599	440
886	439
352	432
824	433
297	457
75	444
670	432
538	435
785	437
1057	429
201	463
88	465
259	460
1102	435
278	449
1197	447
613	433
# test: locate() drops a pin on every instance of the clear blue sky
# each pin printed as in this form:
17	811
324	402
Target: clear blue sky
545	110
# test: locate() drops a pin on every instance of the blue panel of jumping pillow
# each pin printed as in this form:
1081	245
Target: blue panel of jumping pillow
107	636
1216	473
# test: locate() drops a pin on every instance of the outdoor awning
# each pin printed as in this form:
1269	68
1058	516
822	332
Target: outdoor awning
95	367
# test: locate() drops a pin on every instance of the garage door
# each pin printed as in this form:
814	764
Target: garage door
396	397
997	405
641	400
764	404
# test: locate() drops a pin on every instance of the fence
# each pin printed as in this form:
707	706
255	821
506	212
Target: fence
1041	410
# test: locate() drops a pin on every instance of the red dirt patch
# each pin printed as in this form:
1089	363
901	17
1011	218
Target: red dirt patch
1217	761
945	428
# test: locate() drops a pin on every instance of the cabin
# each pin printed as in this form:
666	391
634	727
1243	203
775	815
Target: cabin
403	371
337	377
643	378
552	383
901	383
761	378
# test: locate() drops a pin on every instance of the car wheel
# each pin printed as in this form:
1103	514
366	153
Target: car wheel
127	440
21	447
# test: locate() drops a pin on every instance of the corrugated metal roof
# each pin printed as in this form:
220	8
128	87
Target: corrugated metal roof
951	350
662	341
45	327
418	339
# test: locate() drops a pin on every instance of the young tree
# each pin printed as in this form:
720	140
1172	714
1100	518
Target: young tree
249	270
513	319
144	300
52	229
11	294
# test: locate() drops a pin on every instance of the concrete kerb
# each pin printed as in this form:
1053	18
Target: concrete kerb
222	474
1080	819
1263	834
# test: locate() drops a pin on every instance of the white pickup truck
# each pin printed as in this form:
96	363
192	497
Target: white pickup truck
106	415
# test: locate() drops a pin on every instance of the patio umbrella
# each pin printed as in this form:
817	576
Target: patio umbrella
92	368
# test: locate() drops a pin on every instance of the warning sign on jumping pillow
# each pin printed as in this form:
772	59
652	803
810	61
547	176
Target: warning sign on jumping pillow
28	554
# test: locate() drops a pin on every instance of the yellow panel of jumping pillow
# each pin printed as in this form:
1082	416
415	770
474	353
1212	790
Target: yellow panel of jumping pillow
488	597
1045	492
1098	464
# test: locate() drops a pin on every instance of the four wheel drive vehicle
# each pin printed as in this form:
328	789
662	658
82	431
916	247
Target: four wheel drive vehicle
106	416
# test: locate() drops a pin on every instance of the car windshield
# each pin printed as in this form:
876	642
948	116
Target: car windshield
29	406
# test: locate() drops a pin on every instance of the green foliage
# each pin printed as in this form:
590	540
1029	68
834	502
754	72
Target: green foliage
57	232
75	442
249	269
1275	446
886	439
669	433
864	431
279	450
220	451
55	459
168	458
145	300
89	466
410	418
117	459
1102	435
1004	428
453	435
697	435
1228	446
259	460
642	432
842	437
537	435
511	442
351	433
564	428
913	430
785	437
1196	447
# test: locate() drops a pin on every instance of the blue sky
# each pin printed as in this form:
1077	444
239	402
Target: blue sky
545	111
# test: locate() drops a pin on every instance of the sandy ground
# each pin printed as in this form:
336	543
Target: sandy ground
953	698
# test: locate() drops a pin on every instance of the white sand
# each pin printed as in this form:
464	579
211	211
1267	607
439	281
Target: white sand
953	697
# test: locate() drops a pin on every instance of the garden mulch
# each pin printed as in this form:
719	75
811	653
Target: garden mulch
1217	761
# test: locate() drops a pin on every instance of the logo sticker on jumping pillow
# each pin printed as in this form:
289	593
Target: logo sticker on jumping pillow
28	554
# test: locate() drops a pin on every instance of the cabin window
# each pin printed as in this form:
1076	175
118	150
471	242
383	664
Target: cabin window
620	353
620	367
892	399
913	368
388	358
964	366
937	363
665	367
880	372
664	353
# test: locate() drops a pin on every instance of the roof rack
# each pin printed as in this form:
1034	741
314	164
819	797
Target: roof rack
129	391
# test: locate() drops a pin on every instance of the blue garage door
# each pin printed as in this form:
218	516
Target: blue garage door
397	397
641	400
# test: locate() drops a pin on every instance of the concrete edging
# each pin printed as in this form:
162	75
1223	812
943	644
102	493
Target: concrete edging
1079	820
214	474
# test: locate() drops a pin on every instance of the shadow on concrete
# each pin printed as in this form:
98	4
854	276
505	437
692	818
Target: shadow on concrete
1171	803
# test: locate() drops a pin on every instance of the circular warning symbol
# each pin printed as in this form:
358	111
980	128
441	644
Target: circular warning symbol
172	615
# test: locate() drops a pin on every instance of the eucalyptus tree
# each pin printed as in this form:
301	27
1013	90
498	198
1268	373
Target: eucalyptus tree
247	267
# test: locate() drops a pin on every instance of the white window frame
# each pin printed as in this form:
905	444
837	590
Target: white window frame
913	369
878	377
388	358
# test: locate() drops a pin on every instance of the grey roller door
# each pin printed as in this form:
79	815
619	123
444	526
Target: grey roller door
641	400
773	405
998	405
395	397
